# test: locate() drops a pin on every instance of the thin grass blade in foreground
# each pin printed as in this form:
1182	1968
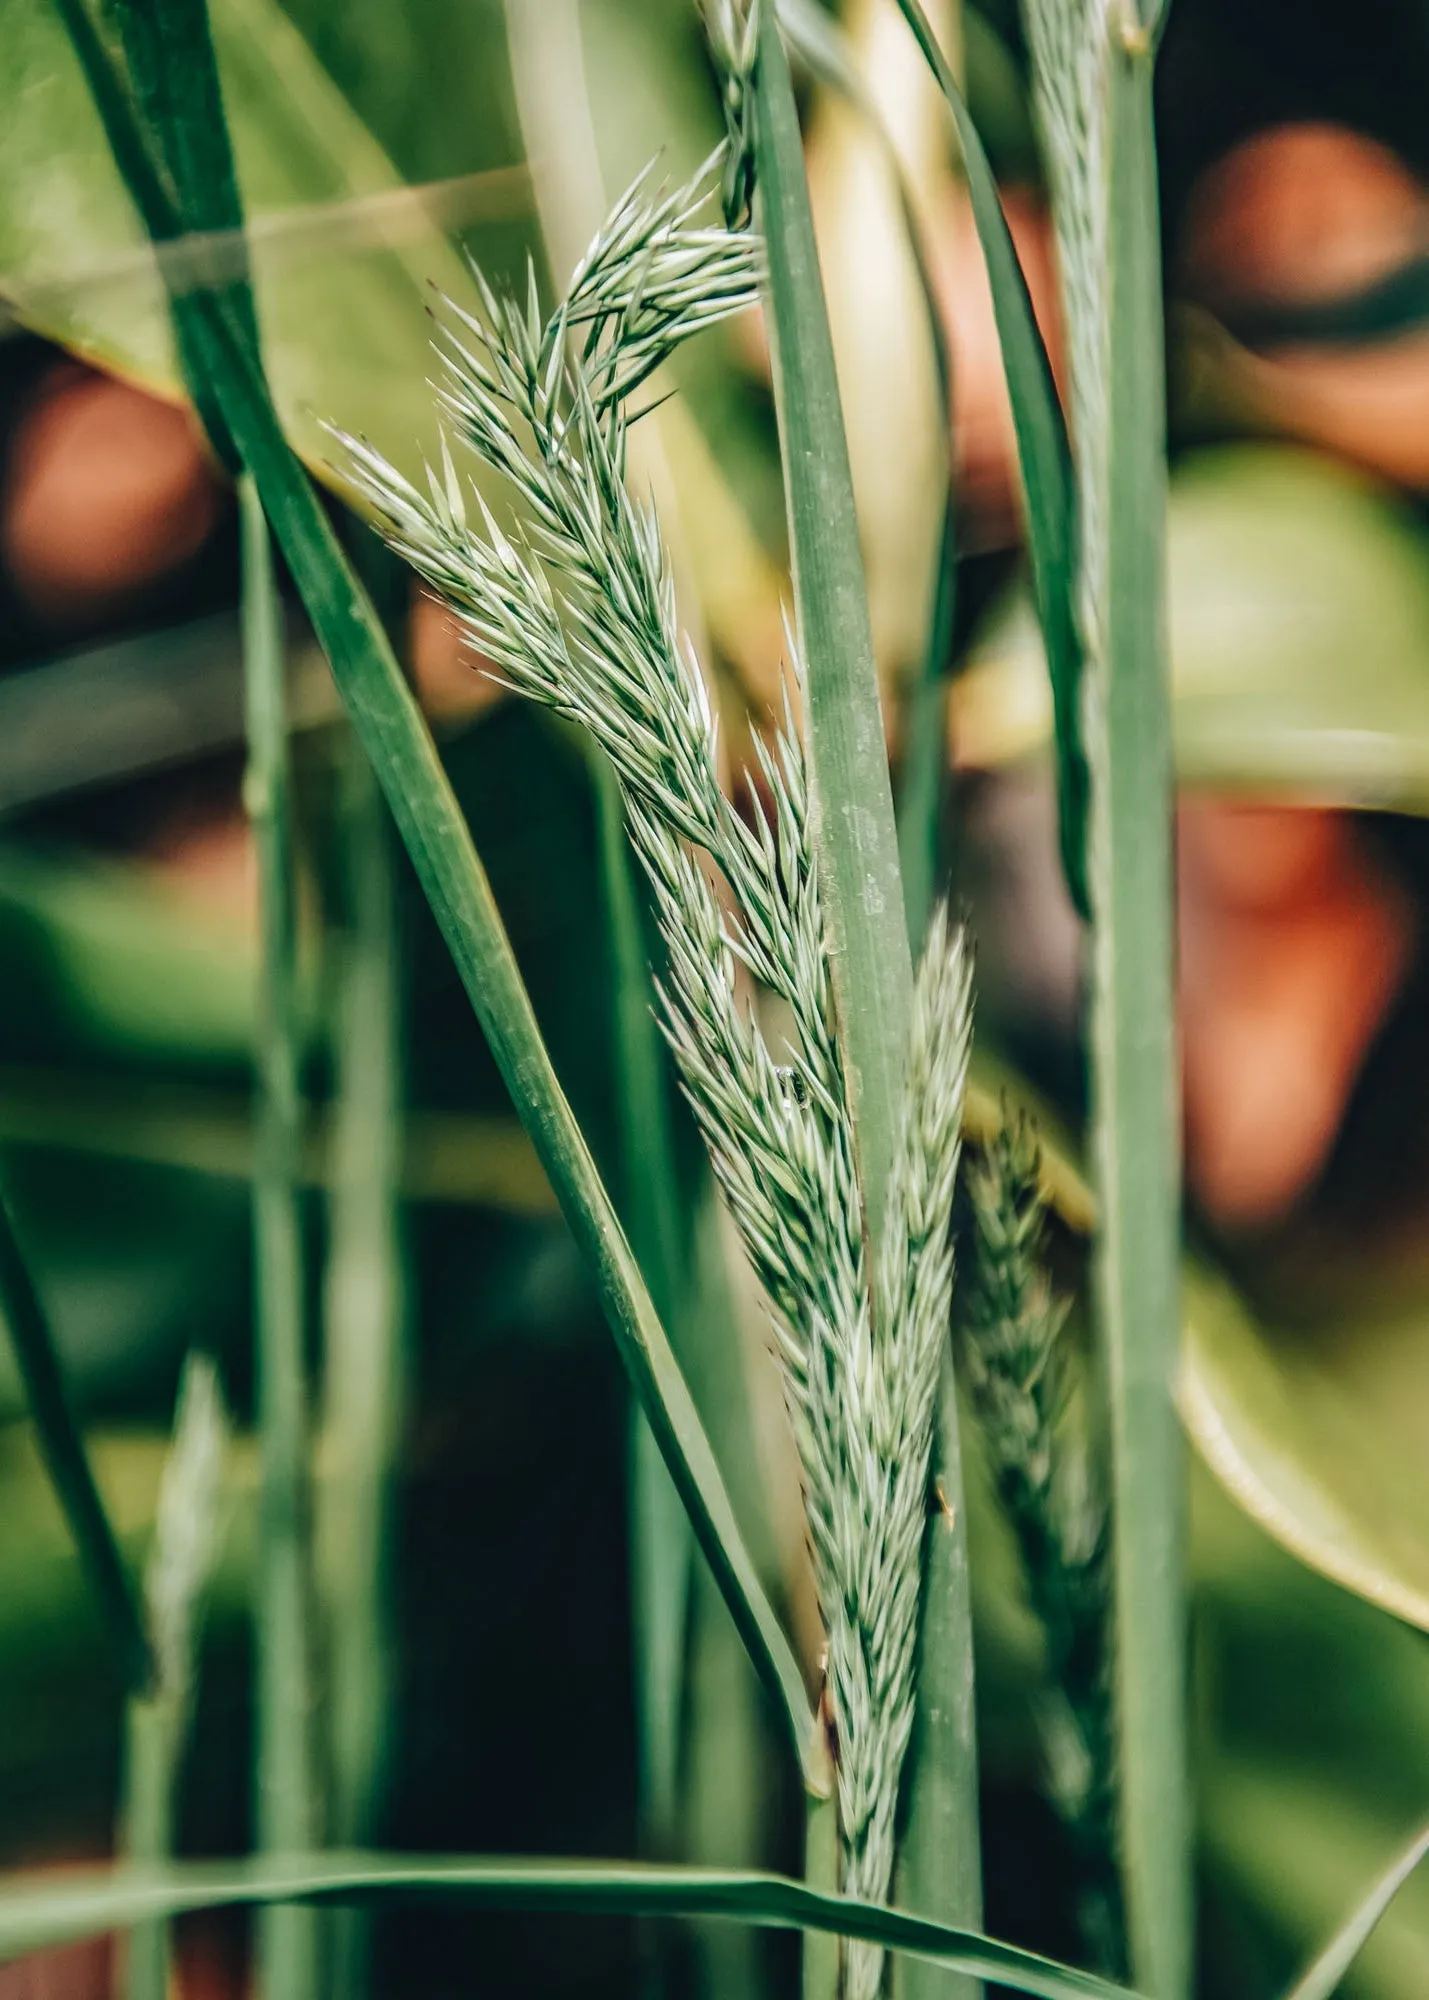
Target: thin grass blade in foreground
396	738
1324	1977
41	1911
62	1448
1092	74
286	1816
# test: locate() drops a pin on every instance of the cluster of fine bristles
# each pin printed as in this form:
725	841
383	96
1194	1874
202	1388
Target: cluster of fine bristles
574	607
1016	1364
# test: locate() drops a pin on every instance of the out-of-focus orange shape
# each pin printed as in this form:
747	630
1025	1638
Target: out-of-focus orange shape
1301	214
1294	943
107	491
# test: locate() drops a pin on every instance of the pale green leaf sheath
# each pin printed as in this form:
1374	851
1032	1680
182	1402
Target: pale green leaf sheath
575	609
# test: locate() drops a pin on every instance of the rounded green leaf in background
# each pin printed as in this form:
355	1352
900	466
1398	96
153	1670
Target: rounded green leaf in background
1299	608
342	290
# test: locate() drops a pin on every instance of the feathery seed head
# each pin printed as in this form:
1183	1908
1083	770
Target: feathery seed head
575	609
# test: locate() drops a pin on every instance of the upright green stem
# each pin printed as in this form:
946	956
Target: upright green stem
364	1360
188	1531
661	1543
857	843
941	1867
1137	1275
822	1952
286	1820
62	1449
153	1730
922	778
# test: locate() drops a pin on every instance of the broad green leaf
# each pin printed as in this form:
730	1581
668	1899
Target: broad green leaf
1299	615
341	296
44	1910
1315	1431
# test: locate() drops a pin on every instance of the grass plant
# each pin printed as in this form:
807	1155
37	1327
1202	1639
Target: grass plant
831	1113
577	612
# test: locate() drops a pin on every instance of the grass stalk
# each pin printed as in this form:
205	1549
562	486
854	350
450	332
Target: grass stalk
822	1958
940	1873
854	831
727	1789
62	1448
187	1538
399	744
151	1755
1092	74
661	1545
923	775
1135	1141
286	1818
364	1378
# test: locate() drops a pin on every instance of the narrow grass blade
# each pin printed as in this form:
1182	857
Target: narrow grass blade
396	738
38	1912
175	84
923	772
863	899
1044	456
1323	1978
286	1818
65	1458
1135	1141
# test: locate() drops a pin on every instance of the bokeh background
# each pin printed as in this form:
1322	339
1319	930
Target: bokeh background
378	140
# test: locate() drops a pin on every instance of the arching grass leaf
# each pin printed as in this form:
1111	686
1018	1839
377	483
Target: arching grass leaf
41	1911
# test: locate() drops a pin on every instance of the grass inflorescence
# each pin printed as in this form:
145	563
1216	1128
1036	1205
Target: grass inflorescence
573	606
1016	1360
